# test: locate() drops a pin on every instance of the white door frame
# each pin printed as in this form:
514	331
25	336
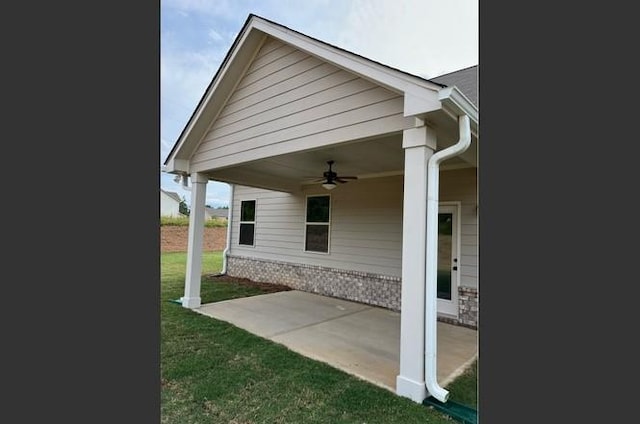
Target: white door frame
449	308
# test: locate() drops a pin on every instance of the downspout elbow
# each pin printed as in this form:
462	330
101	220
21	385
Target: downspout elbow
464	128
436	391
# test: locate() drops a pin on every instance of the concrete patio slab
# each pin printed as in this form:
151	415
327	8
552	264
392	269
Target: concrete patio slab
359	339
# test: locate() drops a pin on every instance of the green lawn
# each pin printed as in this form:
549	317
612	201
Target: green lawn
213	372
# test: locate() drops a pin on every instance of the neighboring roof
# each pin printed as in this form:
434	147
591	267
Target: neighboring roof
172	195
465	79
221	213
242	52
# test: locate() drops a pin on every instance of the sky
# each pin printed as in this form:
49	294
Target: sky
427	38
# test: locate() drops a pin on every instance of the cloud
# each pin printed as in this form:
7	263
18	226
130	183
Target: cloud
422	37
165	148
218	194
213	8
185	74
213	34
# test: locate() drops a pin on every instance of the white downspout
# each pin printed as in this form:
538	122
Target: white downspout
228	246
431	292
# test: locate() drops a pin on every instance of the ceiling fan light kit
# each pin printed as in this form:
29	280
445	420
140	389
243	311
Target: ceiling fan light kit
330	178
329	186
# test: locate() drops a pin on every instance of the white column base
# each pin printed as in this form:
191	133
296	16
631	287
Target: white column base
190	302
414	390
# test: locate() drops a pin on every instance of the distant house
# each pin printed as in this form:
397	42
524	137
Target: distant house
210	213
169	204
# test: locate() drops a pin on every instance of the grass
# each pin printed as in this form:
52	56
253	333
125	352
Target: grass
464	389
213	372
183	221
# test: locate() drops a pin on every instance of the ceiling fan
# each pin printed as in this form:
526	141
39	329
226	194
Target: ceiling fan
330	178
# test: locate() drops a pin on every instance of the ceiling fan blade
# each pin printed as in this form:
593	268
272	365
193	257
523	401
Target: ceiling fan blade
348	178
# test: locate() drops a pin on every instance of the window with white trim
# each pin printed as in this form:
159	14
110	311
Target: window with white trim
317	223
247	223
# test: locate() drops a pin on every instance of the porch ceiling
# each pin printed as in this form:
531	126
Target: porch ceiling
370	158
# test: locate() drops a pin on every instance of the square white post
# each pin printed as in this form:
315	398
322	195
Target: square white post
419	144
191	298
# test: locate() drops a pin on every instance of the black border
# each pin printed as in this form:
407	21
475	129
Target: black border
555	164
82	301
81	308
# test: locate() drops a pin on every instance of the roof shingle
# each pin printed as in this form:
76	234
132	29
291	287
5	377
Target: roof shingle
465	79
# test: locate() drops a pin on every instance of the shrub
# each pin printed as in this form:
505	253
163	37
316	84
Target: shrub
184	221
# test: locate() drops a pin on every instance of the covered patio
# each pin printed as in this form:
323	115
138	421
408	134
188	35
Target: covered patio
359	339
281	107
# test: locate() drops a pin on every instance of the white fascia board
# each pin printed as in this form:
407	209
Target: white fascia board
457	104
177	166
419	102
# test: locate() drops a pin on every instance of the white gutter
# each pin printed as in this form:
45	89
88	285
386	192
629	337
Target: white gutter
431	292
228	247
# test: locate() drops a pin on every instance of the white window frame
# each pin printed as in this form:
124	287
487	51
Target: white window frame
328	224
255	218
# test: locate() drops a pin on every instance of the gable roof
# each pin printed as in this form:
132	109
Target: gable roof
465	79
420	95
173	195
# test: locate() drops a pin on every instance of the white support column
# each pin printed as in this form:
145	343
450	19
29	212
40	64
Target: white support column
419	144
191	298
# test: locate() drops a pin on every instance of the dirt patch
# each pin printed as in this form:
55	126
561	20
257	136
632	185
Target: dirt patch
265	287
173	238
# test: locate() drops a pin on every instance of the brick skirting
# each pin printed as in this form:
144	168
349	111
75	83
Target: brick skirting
468	307
363	287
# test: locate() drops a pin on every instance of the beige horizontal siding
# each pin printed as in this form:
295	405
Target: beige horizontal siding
269	71
364	240
289	101
461	185
340	111
366	225
292	67
268	48
302	110
293	128
302	95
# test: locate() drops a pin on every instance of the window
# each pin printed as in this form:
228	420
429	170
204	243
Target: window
247	222
317	224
